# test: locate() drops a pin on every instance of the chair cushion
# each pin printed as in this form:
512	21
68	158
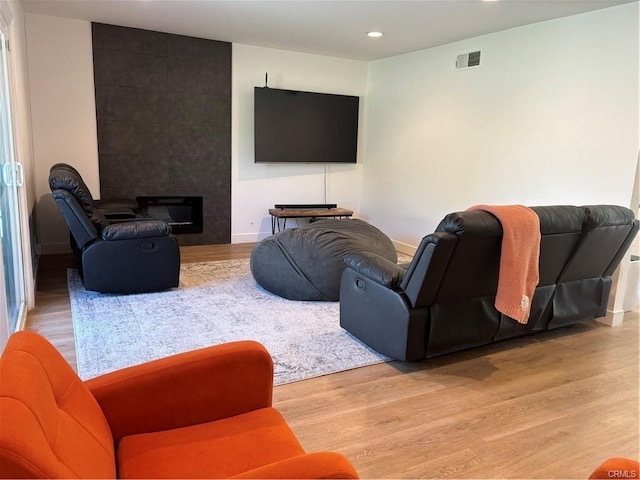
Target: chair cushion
217	449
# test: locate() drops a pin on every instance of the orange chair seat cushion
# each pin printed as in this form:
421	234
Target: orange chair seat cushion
217	449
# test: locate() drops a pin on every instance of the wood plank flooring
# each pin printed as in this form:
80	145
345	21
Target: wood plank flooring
553	405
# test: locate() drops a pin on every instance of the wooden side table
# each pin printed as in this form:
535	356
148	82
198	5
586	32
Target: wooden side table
318	212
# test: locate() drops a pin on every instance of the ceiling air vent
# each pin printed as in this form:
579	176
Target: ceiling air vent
468	60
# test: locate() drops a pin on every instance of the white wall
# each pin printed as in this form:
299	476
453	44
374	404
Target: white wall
255	188
550	117
60	62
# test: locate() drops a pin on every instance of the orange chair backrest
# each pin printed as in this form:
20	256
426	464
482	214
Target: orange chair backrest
50	424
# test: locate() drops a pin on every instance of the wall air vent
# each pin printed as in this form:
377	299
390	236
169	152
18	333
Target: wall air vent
468	60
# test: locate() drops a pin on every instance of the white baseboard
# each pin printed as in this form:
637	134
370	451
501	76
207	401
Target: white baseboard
612	318
249	237
404	248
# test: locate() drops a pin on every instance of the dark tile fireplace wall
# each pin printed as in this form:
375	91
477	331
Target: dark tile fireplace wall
163	109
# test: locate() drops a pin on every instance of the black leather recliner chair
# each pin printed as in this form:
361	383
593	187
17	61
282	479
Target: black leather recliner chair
132	256
444	301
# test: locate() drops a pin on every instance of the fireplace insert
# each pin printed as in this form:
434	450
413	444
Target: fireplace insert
184	214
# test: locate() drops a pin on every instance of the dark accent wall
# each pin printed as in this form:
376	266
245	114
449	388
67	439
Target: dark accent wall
163	109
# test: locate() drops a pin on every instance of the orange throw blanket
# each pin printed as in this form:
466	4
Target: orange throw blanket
518	274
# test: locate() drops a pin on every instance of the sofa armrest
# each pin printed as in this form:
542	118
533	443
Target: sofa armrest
311	465
117	203
376	268
186	389
137	229
117	213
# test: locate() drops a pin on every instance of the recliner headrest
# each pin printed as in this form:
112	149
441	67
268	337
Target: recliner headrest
62	178
472	222
556	219
606	216
64	166
66	180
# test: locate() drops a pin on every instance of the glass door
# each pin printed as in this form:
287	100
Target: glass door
10	180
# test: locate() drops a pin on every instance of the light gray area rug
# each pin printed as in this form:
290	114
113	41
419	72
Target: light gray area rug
216	302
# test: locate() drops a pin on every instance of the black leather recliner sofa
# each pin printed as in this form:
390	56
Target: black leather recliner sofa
127	255
444	301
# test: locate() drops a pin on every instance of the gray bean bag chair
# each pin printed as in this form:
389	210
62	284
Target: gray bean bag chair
306	263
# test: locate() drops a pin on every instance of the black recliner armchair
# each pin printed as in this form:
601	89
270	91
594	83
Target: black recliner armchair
444	301
128	255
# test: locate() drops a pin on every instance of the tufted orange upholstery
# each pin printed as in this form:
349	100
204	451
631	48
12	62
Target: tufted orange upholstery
200	414
50	424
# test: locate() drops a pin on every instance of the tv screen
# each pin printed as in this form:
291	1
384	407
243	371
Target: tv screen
304	127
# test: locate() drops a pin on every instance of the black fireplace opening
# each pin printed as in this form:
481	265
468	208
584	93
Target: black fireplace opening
184	214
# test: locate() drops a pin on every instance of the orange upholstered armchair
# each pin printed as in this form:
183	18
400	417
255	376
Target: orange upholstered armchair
200	414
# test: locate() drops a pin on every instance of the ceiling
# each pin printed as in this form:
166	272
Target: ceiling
327	27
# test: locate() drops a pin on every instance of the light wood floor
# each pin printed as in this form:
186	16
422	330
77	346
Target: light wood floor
553	405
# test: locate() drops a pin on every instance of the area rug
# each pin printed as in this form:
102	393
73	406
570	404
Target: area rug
216	302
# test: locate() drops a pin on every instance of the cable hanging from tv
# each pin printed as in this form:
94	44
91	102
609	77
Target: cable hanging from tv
266	79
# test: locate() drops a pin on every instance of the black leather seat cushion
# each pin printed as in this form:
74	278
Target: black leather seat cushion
306	263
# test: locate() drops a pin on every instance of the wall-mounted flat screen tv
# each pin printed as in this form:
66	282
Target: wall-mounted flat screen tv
305	127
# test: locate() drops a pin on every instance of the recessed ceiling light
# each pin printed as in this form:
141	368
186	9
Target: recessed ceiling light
375	34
